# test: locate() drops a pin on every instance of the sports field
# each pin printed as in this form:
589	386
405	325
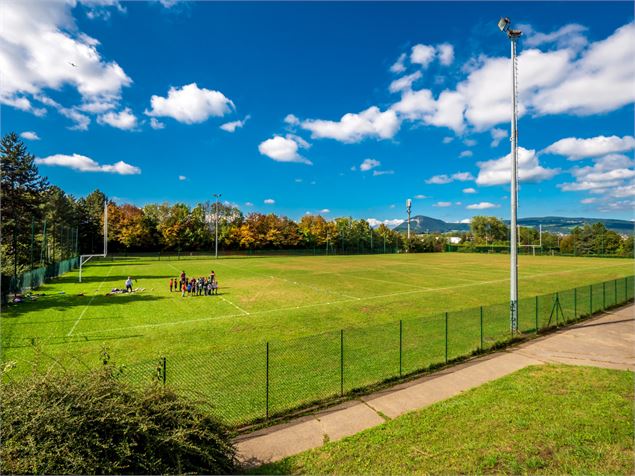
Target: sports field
282	299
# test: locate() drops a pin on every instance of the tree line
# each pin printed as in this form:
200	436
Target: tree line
42	224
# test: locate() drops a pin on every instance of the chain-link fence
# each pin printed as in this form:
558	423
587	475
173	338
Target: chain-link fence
36	277
250	383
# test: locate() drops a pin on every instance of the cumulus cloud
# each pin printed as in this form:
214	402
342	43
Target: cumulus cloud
405	82
420	197
269	201
377	173
497	136
442	204
249	204
232	126
447	139
182	178
399	66
351	128
567	36
466	153
325	211
422	55
469	190
124	120
190	104
482	206
443	179
43	49
498	171
446	53
576	149
391	223
86	164
291	120
284	149
611	176
369	164
30	135
156	124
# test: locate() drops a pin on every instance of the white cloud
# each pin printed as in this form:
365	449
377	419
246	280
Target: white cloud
232	126
447	139
443	179
156	124
86	164
81	120
588	201
446	111
30	135
470	142
405	82
466	153
249	204
442	204
420	197
469	190
283	149
422	55
567	36
498	171
399	67
325	211
497	136
482	206
355	127
576	149
374	223
269	201
40	40
182	177
466	220
377	173
291	120
190	104
298	180
611	176
97	106
369	164
446	53
124	120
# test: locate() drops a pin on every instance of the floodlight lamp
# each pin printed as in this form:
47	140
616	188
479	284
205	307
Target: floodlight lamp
503	24
408	203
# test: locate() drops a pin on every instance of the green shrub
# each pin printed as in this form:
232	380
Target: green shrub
92	423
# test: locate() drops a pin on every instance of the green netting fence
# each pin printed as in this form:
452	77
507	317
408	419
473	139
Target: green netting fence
246	384
36	277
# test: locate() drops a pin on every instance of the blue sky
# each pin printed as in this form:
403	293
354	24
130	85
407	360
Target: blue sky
344	109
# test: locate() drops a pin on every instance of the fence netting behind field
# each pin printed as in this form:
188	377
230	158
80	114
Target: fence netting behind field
250	383
36	277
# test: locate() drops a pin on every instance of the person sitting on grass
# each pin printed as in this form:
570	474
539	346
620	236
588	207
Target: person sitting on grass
129	285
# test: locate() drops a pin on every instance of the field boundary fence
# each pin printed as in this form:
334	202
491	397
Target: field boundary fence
247	384
36	277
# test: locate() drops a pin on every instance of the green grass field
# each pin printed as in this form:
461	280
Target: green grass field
550	419
215	345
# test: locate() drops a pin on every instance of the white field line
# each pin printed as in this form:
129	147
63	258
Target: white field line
223	298
379	296
315	288
70	333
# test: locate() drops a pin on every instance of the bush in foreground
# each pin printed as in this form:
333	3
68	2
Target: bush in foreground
91	423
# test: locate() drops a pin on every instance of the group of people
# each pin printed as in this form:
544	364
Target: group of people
202	286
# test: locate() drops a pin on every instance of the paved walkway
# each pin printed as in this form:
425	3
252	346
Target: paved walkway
604	341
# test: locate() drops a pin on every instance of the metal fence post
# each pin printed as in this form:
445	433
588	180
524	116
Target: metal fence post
342	362
615	284
400	345
536	314
590	299
575	303
481	327
164	370
267	388
446	337
603	295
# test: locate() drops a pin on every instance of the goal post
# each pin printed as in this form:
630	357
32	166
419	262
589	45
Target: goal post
83	259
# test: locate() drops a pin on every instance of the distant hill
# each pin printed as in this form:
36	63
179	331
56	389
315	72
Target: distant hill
424	224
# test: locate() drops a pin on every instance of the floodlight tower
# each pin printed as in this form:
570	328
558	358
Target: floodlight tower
408	207
504	25
217	195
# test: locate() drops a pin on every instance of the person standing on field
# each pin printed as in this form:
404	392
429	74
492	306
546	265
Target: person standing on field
129	285
171	284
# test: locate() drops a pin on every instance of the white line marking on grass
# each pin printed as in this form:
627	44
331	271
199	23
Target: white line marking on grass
237	307
70	333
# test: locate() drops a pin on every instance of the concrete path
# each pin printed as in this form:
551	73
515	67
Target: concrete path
604	341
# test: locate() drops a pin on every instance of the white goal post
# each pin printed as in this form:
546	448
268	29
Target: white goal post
83	259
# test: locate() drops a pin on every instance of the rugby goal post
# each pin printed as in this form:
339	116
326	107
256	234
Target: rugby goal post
534	246
83	259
